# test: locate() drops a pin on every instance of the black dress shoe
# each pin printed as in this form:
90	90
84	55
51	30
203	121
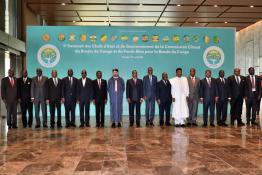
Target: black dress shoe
37	126
177	125
113	125
138	125
73	125
97	125
59	126
254	123
152	124
14	127
102	126
67	126
24	126
88	125
52	126
224	124
119	125
168	124
9	127
29	126
131	125
45	126
212	125
240	124
147	124
183	125
81	126
204	125
194	124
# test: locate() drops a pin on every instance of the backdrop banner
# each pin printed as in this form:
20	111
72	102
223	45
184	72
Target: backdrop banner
129	48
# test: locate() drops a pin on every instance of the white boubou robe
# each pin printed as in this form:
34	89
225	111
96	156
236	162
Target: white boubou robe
180	92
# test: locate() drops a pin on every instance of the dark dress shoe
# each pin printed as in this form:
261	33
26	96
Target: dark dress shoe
212	125
73	125
240	124
183	125
24	126
59	126
138	125
67	126
37	126
113	125
88	125
131	125
97	125
204	125
52	126
14	127
119	125
45	126
147	124
194	124
9	127
224	124
254	123
102	126
81	126
152	124
168	124
177	125
29	126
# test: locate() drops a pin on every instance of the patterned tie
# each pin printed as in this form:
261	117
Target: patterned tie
209	82
253	82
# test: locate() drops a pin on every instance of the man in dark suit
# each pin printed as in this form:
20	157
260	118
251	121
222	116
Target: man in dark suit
24	97
149	91
69	95
84	96
252	95
9	97
223	94
134	95
54	97
208	96
100	98
164	99
38	96
237	88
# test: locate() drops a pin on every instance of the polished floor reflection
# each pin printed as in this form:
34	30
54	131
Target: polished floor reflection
134	151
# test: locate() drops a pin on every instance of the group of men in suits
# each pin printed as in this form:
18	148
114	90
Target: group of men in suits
213	93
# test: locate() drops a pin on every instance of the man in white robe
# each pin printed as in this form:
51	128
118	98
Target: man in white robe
180	93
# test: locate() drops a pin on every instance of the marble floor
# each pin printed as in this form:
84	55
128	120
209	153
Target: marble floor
133	151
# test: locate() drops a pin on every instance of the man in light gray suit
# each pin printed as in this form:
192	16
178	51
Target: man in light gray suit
194	88
39	96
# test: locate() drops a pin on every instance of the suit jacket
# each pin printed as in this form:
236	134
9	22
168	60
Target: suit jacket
193	90
206	92
85	93
148	89
39	88
223	91
163	92
236	90
69	92
24	89
54	92
248	87
100	94
9	92
134	91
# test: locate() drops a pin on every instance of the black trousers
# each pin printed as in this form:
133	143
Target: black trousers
211	106
164	108
100	112
251	108
221	109
11	108
258	106
84	112
55	105
70	107
27	107
236	109
132	106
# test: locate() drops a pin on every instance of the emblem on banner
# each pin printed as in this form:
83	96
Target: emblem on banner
103	38
213	57
135	39
48	55
45	37
61	37
165	39
83	37
93	38
72	37
155	38
176	38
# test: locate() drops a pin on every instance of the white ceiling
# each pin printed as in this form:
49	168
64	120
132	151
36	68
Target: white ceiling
196	13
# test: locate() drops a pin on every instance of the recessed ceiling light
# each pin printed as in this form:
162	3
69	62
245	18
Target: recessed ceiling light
140	4
196	22
251	6
225	22
166	22
215	5
74	21
63	3
136	22
178	5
